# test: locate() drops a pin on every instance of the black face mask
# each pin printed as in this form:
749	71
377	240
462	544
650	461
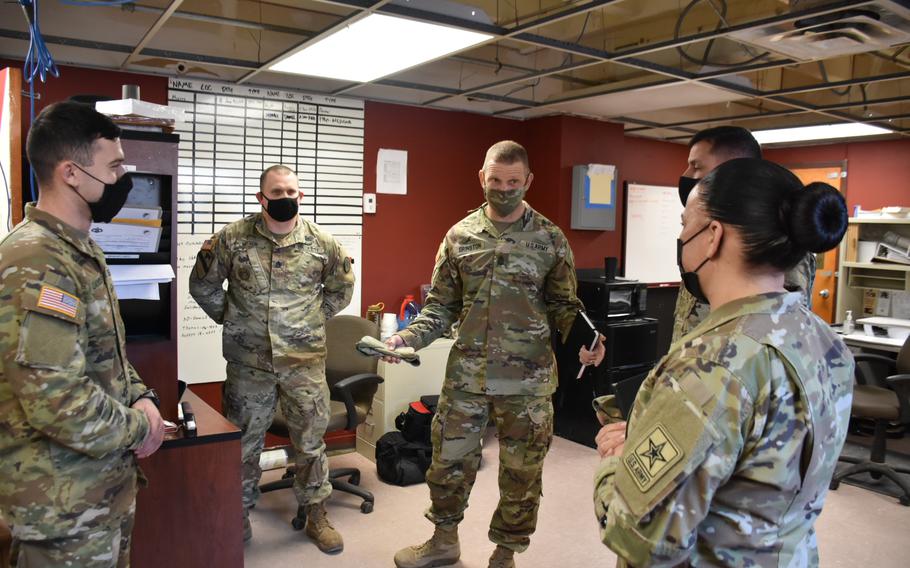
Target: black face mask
112	198
282	209
690	279
685	188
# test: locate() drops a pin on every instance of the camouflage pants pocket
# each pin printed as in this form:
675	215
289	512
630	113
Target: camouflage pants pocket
459	428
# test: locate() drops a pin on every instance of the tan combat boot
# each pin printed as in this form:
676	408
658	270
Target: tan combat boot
502	557
441	550
320	530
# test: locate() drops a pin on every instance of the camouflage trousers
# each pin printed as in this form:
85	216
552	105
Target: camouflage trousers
250	399
524	426
100	547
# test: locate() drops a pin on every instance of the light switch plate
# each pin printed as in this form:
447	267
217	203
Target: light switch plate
369	203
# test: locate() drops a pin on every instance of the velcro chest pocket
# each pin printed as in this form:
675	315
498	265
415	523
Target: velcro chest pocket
49	333
669	440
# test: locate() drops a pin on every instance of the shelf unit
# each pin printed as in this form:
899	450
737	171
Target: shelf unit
856	277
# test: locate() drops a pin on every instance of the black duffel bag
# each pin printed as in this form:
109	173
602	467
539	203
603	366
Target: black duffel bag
401	462
415	423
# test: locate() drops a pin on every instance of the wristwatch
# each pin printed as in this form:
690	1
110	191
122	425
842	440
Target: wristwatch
152	396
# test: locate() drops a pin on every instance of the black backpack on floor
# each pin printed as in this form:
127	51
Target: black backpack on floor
401	462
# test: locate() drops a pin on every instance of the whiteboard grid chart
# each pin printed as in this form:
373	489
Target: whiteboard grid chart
230	133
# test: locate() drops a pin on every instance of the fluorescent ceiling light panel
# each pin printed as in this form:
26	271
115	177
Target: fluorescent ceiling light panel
822	132
376	46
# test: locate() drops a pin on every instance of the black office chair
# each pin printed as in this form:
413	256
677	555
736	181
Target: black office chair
883	396
352	383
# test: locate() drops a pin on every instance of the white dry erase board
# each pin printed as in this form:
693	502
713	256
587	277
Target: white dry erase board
229	134
651	226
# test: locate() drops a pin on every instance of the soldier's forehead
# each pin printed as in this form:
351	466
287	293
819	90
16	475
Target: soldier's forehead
281	178
502	170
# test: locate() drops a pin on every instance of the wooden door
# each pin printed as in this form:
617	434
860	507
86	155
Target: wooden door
825	287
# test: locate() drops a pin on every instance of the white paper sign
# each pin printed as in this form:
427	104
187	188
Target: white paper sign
392	172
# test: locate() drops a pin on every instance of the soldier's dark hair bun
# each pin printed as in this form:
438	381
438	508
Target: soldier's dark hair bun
778	218
816	216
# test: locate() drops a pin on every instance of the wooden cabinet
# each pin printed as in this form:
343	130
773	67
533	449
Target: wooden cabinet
858	274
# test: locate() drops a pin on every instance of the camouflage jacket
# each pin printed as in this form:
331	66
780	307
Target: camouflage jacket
66	428
279	293
690	312
506	291
732	442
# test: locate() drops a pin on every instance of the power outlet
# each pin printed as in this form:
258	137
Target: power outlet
369	203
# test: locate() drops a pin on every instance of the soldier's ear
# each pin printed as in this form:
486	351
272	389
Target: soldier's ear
483	179
68	172
530	179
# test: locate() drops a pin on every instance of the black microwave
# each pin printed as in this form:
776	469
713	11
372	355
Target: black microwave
607	300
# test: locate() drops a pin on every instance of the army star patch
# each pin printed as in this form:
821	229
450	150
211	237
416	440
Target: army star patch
57	300
656	455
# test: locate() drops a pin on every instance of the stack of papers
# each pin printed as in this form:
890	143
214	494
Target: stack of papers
135	107
140	281
135	229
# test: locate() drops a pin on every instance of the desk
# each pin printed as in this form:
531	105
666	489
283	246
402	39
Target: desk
190	514
860	339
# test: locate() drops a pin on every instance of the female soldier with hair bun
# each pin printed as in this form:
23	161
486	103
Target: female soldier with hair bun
735	434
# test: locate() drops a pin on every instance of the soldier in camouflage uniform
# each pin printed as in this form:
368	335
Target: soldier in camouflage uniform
74	415
506	274
286	277
707	150
735	435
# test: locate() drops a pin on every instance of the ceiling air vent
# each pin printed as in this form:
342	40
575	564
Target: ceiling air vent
875	26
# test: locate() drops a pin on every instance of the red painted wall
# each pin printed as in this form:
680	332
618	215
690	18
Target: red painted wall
878	172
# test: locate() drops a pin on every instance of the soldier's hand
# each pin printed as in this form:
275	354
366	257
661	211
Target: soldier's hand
610	439
393	342
156	428
586	357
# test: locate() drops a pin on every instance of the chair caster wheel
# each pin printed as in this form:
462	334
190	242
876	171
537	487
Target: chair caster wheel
298	523
366	507
834	485
288	475
904	500
354	479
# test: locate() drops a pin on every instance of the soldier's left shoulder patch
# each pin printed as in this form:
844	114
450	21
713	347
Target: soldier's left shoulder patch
208	245
347	264
653	457
56	300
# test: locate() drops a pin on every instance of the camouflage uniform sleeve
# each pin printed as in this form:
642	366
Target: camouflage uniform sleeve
213	264
137	387
337	279
43	362
560	289
680	447
444	302
801	277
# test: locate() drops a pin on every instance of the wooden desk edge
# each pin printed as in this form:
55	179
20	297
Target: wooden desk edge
211	426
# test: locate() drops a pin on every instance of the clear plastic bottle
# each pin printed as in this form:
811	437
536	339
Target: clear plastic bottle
848	323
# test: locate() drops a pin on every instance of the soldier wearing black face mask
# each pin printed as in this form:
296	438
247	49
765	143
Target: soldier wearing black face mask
709	149
286	277
74	415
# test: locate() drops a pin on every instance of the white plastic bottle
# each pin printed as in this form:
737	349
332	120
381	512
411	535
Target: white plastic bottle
848	323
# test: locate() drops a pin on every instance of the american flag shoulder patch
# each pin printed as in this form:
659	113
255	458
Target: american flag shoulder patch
57	300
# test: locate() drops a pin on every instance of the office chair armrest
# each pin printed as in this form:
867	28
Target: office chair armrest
862	379
901	385
343	389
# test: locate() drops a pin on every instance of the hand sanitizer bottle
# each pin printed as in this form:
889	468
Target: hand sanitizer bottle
848	323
